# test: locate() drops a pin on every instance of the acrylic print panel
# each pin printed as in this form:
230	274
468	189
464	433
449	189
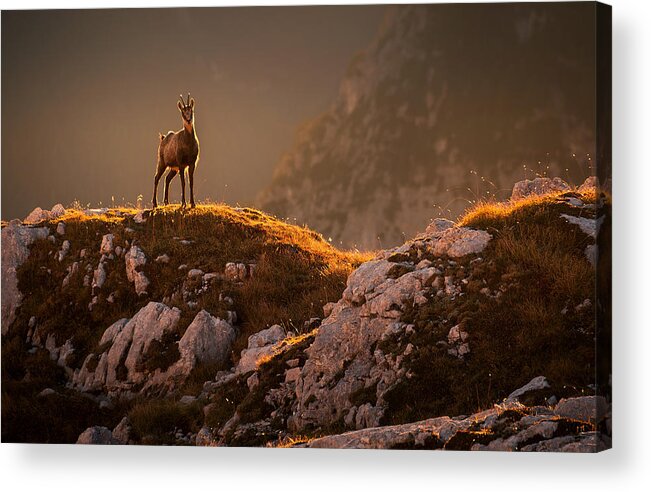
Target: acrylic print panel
355	227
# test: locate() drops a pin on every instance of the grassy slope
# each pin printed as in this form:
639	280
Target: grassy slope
538	260
536	253
297	272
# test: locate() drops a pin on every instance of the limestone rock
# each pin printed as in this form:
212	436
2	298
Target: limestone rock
207	340
141	283
460	241
458	341
417	434
16	240
107	244
149	324
537	383
236	271
365	279
134	259
128	341
57	211
260	344
162	259
538	186
63	252
61	229
438	225
46	392
96	435
588	226
112	331
585	408
37	215
122	432
99	277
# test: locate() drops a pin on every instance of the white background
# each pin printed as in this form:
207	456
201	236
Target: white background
626	467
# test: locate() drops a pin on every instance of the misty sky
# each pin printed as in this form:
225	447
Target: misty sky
85	93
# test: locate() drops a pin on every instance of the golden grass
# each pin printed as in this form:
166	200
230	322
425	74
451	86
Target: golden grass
289	441
285	344
494	210
276	230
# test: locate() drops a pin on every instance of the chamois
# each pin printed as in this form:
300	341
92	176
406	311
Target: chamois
177	152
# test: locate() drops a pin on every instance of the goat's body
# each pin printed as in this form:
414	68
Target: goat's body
178	151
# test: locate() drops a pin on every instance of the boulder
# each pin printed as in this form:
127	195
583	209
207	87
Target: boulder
134	259
461	241
423	434
37	215
588	226
141	283
149	324
260	345
230	271
99	277
365	279
458	342
537	383
207	340
122	432
57	211
72	271
107	244
489	430
438	225
163	259
61	229
16	240
112	331
127	340
538	186
96	435
585	408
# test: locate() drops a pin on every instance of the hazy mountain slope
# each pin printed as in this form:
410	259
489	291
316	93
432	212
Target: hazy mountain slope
419	118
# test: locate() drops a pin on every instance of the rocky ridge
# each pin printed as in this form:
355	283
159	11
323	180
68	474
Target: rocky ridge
340	381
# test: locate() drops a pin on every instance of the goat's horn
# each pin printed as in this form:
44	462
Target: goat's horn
182	101
188	99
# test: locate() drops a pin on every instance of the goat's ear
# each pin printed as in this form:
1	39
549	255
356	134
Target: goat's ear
180	106
192	103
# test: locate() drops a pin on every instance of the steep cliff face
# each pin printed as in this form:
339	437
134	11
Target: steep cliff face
421	120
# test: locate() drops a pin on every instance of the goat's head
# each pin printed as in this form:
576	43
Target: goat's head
186	109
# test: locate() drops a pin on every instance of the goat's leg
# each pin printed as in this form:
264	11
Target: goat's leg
168	178
182	176
191	176
159	173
